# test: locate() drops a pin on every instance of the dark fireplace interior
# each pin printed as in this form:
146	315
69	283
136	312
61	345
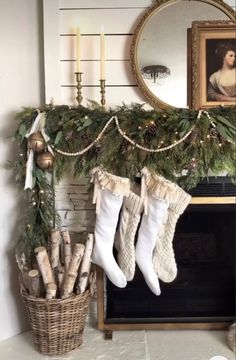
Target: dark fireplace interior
204	289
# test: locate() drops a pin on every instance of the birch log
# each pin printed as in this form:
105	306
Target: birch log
25	278
67	249
72	272
85	266
44	265
24	269
92	283
23	288
34	283
60	274
55	246
51	291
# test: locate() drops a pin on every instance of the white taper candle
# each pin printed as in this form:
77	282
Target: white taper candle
102	56
78	50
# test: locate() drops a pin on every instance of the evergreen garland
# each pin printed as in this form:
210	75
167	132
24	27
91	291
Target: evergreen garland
211	146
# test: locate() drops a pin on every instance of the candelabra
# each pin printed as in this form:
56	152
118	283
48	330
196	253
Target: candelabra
79	97
102	91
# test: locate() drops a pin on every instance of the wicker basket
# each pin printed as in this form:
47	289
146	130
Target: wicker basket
57	325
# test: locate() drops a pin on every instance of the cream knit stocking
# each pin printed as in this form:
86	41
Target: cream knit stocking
163	255
156	192
129	220
108	196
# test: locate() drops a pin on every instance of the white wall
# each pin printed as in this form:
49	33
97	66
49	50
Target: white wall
20	85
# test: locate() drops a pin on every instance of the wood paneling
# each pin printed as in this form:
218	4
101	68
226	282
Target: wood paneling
117	73
93	4
114	95
117	47
91	21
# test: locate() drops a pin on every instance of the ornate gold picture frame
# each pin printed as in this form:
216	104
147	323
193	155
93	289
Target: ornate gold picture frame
213	64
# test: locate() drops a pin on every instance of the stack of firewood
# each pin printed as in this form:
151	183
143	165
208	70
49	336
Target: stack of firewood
61	270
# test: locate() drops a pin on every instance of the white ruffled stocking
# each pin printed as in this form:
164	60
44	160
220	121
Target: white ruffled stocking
108	196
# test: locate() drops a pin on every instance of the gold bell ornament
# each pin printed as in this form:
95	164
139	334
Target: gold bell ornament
45	160
36	142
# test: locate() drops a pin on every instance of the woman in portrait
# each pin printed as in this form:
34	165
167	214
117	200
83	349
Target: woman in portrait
222	83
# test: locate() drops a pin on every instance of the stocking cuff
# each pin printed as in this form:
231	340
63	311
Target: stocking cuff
115	184
133	203
182	199
157	186
104	180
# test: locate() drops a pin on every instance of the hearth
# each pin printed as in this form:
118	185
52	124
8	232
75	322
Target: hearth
203	294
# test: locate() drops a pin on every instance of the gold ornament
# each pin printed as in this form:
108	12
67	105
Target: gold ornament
36	142
45	160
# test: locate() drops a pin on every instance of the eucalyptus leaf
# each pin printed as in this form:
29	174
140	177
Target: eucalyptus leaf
39	174
223	132
22	130
58	138
87	122
225	122
79	128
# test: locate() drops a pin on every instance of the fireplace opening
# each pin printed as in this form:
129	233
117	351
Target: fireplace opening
204	289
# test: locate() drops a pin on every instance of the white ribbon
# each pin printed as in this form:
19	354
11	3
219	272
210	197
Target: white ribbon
144	194
29	170
38	125
96	194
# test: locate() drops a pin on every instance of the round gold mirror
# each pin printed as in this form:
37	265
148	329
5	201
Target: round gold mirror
160	51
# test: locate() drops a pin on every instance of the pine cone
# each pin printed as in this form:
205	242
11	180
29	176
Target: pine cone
152	128
96	149
213	133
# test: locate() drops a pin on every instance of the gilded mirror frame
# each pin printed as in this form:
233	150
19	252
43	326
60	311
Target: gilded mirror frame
159	5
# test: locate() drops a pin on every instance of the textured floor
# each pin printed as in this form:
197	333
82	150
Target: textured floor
128	345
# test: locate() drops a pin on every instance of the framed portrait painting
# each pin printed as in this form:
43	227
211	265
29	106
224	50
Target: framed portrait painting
213	61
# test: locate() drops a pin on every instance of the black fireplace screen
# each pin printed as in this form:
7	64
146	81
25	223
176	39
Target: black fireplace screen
204	289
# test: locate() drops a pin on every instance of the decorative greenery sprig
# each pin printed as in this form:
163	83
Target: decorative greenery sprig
211	146
72	129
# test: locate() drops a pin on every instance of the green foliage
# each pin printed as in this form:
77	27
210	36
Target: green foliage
39	216
211	146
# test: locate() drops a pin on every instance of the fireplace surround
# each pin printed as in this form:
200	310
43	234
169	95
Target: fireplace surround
203	294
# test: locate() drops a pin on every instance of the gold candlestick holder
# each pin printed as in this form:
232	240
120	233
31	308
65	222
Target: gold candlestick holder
102	91
79	97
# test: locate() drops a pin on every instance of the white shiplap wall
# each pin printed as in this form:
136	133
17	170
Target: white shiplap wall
119	19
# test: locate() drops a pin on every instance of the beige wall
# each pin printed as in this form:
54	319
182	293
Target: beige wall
21	82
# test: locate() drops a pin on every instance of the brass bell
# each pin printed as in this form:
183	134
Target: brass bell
36	142
45	160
